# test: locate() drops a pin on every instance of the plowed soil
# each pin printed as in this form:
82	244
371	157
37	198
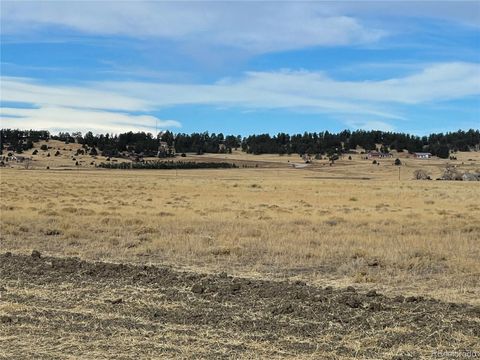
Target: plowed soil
58	308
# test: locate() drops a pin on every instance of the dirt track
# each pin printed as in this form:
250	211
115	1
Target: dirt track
67	308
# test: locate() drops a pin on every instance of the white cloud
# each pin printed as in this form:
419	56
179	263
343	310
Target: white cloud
305	89
253	26
56	118
26	90
458	11
110	102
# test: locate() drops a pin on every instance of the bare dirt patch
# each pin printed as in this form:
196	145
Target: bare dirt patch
65	307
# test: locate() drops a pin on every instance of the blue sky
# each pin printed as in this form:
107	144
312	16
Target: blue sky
240	67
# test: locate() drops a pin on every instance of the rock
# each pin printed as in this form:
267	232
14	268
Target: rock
198	289
36	254
283	309
352	302
374	306
235	287
8	254
413	299
115	301
300	283
372	293
350	289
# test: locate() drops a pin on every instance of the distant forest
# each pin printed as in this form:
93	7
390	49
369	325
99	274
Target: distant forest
325	143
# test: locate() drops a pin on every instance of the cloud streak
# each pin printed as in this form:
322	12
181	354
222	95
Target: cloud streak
275	26
57	118
114	102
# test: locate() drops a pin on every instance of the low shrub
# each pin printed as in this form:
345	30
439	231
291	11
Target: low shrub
168	165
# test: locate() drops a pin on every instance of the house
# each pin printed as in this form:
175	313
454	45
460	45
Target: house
378	155
422	155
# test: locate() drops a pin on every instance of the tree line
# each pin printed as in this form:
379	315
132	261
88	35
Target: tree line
325	143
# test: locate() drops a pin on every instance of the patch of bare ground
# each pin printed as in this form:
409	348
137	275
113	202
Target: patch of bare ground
67	308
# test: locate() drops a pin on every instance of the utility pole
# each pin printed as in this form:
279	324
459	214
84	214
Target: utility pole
399	173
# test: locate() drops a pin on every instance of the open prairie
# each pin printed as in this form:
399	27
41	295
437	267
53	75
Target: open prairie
272	228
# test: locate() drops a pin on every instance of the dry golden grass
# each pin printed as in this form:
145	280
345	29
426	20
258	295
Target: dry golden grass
398	236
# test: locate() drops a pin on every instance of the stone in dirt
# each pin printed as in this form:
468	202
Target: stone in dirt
372	293
115	301
235	287
283	309
353	302
36	254
374	306
198	289
414	299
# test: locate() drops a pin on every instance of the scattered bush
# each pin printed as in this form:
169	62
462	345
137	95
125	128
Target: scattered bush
398	162
44	147
420	175
168	165
451	173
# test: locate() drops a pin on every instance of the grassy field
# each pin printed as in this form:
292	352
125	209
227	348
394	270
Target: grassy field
322	224
348	261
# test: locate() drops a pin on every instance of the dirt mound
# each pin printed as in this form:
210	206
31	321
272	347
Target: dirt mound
54	307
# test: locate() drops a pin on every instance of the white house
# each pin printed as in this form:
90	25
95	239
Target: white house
422	155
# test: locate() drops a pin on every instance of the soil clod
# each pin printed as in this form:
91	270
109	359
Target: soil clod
198	289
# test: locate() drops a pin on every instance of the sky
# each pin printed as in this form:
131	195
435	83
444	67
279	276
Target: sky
240	67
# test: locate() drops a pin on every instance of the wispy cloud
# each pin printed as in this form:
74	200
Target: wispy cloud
56	118
276	26
113	102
